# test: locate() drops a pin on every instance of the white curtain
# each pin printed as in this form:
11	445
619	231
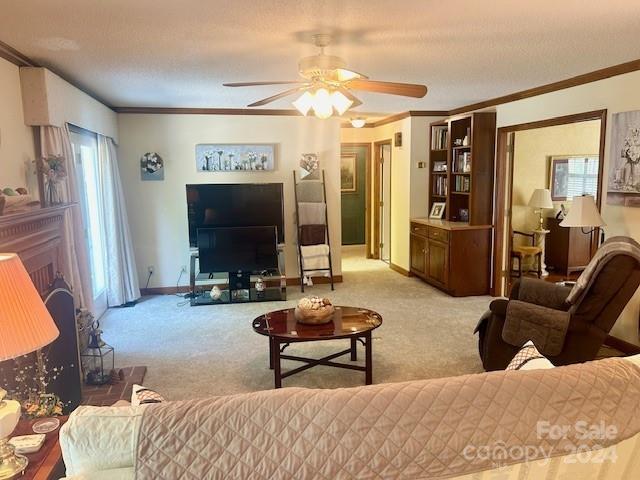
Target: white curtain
122	277
56	141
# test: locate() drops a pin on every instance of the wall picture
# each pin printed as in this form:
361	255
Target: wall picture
151	167
235	157
623	185
309	166
348	181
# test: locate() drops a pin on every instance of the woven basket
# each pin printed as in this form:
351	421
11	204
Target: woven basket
315	317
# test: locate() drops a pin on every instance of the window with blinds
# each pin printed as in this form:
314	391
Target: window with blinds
574	176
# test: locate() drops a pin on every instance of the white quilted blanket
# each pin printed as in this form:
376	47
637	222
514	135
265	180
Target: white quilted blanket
413	430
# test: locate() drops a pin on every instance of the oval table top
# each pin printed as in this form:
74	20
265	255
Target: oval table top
346	322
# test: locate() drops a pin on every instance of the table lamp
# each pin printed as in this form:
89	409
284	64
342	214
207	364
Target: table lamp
25	326
583	213
541	200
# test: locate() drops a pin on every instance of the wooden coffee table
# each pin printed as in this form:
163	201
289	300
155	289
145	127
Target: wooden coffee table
282	329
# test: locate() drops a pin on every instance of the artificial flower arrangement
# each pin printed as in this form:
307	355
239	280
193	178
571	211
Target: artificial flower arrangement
53	170
31	380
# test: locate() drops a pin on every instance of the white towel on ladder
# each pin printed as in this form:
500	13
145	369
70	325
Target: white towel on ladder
315	257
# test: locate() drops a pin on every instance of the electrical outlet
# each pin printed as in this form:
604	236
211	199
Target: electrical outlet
150	269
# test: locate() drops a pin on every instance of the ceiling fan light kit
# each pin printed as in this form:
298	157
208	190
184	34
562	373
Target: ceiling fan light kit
328	83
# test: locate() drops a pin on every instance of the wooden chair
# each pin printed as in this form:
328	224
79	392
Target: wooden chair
524	251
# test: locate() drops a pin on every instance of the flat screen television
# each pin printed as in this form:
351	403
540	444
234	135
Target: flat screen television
234	249
234	205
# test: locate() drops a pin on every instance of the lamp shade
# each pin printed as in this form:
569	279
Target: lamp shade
583	213
25	322
541	198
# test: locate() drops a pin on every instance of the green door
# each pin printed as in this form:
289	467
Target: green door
353	168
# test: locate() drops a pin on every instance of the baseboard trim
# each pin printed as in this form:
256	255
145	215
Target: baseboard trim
400	270
185	288
622	345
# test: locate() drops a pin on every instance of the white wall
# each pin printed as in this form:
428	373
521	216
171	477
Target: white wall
50	100
158	210
17	149
616	94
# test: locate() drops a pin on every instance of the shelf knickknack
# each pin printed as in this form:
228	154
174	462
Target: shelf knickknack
213	157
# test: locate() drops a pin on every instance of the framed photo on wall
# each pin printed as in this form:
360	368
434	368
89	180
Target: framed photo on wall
348	173
623	183
214	157
437	210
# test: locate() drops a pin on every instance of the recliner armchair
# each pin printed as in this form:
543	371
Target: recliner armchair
590	318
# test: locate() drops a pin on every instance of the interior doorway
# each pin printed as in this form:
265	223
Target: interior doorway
355	196
383	155
563	157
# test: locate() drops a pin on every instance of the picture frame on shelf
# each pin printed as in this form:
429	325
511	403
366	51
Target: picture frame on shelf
437	210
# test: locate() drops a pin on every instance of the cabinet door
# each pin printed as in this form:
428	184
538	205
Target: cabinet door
418	247
438	262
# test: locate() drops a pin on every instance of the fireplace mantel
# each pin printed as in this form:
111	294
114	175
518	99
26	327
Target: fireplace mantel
38	237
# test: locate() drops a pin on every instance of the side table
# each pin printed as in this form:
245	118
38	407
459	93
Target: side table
45	464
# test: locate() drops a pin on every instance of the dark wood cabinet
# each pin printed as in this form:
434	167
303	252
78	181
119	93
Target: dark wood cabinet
438	262
567	249
453	256
418	248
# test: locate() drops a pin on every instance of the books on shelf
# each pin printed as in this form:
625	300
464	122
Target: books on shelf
462	162
462	184
439	166
439	138
440	185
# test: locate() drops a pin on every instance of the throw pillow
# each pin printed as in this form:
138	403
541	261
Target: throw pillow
529	358
142	395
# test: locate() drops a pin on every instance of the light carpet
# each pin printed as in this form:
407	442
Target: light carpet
213	350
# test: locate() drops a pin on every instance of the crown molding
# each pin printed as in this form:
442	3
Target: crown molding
14	56
207	111
583	79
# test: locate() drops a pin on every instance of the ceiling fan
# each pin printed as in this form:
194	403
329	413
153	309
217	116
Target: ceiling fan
327	84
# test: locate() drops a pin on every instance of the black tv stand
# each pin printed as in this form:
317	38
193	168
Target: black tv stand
235	287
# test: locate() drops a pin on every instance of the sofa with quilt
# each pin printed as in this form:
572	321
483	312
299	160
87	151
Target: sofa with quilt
565	422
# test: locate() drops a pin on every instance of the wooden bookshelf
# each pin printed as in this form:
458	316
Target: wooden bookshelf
461	165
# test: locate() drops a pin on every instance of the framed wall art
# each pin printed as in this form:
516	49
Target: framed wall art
151	167
348	180
220	157
623	185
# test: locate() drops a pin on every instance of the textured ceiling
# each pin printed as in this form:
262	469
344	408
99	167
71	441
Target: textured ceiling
178	53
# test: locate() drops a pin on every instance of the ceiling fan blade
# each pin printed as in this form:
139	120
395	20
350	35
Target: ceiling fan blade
273	98
350	96
255	84
392	88
344	75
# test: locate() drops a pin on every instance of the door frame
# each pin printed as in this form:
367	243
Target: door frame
367	190
504	167
377	195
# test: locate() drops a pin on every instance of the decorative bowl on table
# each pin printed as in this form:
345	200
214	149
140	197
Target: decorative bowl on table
314	311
